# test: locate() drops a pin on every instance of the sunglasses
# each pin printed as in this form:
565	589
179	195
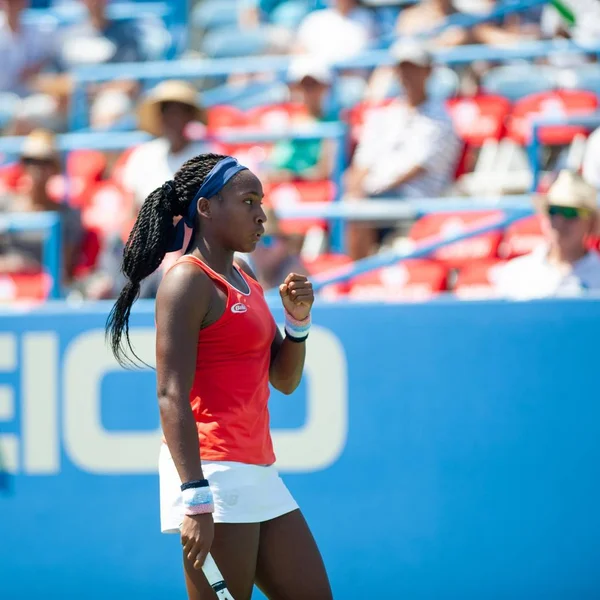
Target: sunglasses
36	162
568	212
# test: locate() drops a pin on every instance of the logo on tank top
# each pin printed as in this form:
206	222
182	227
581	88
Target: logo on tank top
240	307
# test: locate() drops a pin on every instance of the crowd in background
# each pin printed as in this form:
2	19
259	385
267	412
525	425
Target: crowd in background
407	137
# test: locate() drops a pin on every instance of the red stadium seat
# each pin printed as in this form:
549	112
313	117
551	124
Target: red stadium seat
479	118
10	175
593	243
89	252
522	237
551	104
455	255
276	117
223	117
414	280
475	281
87	164
70	189
331	264
31	287
301	191
107	208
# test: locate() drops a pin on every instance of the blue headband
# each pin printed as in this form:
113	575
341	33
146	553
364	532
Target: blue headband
215	181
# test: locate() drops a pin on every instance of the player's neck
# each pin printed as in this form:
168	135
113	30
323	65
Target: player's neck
215	256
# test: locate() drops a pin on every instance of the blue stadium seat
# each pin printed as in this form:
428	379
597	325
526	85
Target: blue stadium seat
583	77
519	80
290	14
212	14
350	90
273	93
9	103
257	93
232	42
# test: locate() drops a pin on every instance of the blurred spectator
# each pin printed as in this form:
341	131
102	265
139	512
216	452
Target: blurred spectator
25	48
275	256
107	280
23	251
579	22
97	39
591	160
165	113
338	32
310	81
110	109
563	266
508	30
425	17
408	149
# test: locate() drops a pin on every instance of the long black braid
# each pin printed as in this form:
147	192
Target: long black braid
151	236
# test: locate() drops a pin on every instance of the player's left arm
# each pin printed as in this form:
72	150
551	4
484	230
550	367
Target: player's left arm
287	355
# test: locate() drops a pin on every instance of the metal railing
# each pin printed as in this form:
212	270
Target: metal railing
589	121
223	67
49	223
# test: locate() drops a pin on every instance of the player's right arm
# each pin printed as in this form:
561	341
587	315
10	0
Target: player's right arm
182	303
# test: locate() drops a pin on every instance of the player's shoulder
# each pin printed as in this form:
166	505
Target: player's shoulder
184	281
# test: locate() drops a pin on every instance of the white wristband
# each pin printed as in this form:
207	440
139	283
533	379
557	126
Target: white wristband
297	330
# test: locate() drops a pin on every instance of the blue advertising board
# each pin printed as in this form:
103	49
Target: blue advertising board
440	450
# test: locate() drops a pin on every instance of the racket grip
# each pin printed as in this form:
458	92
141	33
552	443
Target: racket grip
215	579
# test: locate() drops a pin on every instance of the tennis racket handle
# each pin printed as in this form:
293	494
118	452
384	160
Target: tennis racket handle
212	573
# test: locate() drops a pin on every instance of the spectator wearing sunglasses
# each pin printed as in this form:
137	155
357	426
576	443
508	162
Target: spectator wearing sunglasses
23	251
563	265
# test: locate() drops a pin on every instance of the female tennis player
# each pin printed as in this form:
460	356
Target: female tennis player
217	349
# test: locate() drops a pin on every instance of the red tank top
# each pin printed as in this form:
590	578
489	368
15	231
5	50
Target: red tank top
230	392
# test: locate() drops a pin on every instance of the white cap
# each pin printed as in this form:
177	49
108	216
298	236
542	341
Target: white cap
404	51
309	66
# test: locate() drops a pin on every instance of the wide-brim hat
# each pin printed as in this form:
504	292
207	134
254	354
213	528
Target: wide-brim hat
570	190
148	111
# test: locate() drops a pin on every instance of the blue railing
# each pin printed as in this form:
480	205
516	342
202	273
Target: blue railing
194	68
118	11
49	224
514	208
589	121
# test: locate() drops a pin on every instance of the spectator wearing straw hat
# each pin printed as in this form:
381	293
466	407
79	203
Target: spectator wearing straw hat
23	251
563	266
166	113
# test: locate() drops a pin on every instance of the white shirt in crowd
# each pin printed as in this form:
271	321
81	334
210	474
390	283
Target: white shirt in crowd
32	45
332	36
397	138
591	162
152	163
533	276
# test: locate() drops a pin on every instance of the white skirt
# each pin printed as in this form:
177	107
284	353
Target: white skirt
242	493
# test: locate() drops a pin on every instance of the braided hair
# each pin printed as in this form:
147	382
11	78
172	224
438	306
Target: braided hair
151	236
